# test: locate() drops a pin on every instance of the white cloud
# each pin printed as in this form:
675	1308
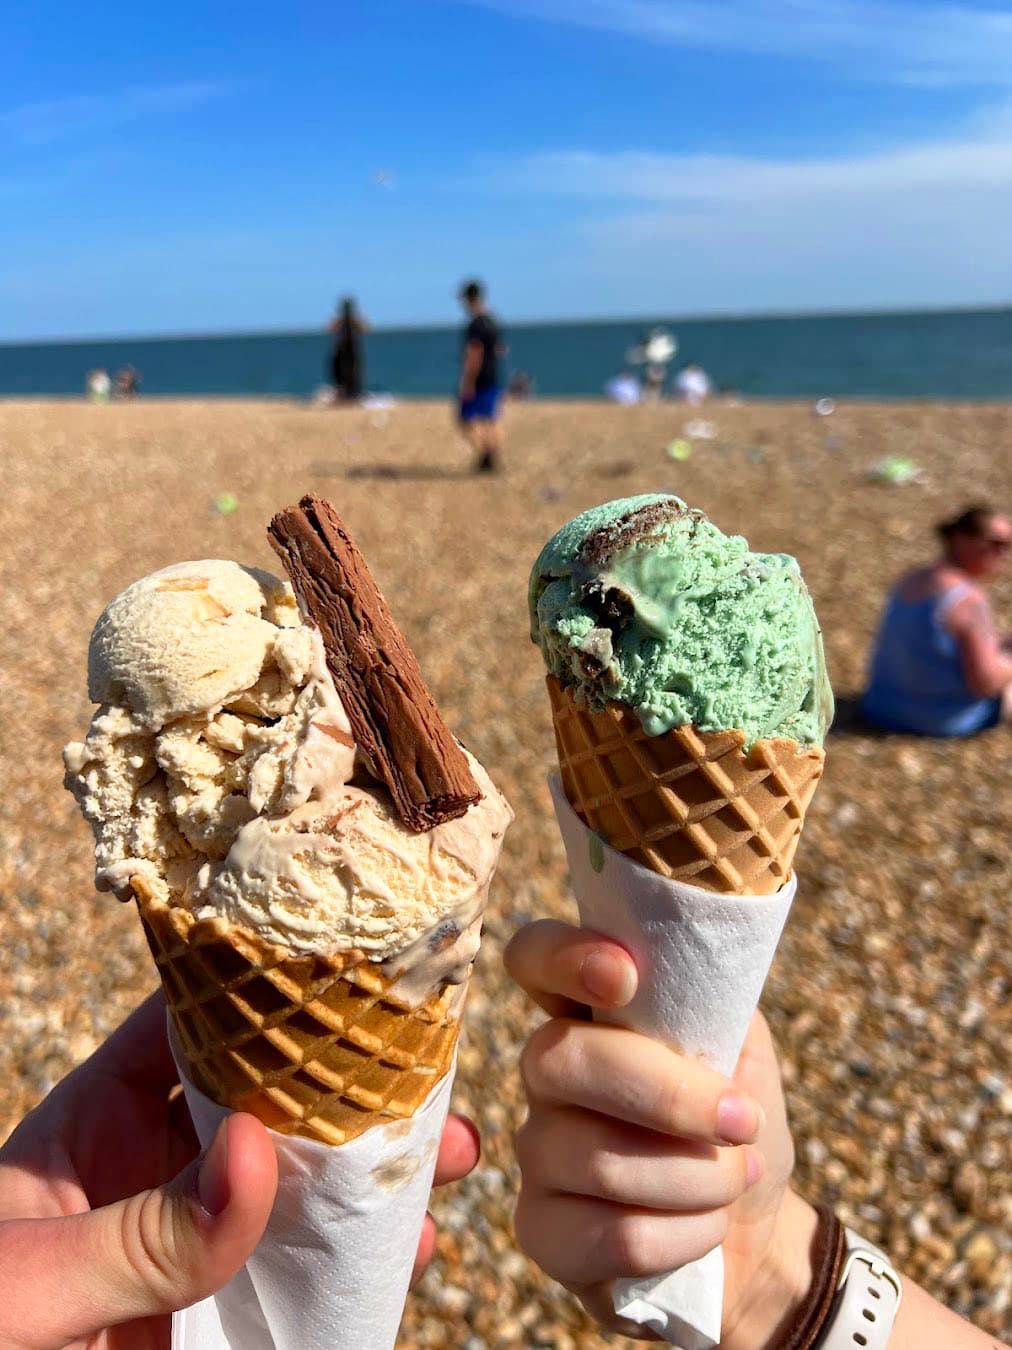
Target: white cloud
921	222
695	180
35	124
926	43
917	224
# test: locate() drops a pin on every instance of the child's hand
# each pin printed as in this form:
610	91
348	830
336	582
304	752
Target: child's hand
637	1160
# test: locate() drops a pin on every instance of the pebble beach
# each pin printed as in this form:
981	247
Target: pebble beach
891	994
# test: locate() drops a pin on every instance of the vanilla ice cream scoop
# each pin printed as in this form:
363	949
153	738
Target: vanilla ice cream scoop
189	639
344	871
221	770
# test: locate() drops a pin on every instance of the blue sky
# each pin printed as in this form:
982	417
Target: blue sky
188	168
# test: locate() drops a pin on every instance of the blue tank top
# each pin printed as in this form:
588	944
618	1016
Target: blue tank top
916	682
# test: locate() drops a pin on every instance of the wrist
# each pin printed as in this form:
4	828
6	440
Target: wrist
779	1282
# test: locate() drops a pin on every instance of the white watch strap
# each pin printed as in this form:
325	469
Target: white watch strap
867	1302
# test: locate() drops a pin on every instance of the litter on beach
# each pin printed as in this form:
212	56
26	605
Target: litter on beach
699	430
896	470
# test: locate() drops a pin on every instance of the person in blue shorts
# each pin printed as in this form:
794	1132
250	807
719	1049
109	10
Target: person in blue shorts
480	389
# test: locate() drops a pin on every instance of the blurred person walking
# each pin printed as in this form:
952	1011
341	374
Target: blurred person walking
939	666
480	389
347	358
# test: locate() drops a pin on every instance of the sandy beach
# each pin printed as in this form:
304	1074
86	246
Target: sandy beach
890	996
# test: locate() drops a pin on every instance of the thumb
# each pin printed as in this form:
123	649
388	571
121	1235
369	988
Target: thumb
157	1252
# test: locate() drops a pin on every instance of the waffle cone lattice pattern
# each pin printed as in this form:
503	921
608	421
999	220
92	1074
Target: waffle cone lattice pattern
689	804
314	1046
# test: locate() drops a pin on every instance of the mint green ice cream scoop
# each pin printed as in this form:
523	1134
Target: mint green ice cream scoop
644	602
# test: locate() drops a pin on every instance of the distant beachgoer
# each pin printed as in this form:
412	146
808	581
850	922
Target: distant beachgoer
480	390
97	385
939	666
655	377
347	360
128	382
521	385
656	348
692	384
624	389
654	353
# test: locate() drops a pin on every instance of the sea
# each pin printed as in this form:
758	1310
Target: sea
955	354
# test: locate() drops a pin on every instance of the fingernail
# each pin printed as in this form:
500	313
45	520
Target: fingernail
738	1118
609	979
754	1166
212	1179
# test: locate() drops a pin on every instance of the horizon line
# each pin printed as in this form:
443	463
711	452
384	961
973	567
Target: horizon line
727	316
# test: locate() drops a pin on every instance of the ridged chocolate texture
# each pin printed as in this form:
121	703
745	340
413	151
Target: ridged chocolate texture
393	717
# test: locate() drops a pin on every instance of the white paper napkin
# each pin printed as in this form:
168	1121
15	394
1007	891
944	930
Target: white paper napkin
702	959
333	1266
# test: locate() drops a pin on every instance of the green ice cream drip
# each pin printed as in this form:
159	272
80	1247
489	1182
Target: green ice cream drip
645	602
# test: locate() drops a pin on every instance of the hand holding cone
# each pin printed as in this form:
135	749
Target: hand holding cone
670	649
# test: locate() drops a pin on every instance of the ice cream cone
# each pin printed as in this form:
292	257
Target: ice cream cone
318	1046
690	805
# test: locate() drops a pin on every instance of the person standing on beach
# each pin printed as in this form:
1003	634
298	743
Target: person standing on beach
480	389
347	364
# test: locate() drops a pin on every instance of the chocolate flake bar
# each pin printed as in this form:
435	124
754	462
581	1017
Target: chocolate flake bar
393	716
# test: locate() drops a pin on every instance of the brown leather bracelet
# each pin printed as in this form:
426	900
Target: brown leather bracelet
828	1252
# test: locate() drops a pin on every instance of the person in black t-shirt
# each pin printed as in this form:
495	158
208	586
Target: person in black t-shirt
480	390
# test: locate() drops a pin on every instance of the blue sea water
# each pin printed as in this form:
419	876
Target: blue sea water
954	354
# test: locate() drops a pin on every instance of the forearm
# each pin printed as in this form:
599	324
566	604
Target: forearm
779	1284
990	679
923	1322
470	367
987	665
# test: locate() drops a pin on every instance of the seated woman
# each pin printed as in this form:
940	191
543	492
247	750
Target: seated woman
939	667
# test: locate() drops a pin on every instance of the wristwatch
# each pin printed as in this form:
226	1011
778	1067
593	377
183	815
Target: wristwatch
867	1300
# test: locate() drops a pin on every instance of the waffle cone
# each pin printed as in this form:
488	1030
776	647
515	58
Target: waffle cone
689	804
318	1046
